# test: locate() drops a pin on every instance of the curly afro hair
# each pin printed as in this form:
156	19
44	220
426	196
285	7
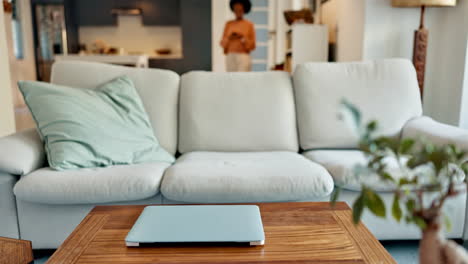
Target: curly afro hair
246	3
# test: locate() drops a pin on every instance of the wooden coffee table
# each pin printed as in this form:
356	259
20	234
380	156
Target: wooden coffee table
301	232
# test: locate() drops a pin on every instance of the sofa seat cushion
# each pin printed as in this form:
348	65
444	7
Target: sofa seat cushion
344	166
222	177
84	186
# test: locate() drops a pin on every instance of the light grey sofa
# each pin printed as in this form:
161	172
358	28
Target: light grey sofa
240	137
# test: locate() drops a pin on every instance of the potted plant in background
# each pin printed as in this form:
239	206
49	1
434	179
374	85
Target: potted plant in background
427	177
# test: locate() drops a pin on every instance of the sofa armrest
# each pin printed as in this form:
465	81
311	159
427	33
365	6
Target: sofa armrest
21	153
8	212
437	133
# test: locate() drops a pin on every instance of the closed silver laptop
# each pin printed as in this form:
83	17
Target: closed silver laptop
198	224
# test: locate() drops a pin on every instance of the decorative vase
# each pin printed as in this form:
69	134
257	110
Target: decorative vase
435	249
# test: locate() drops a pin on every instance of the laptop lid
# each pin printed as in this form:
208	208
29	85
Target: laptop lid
198	223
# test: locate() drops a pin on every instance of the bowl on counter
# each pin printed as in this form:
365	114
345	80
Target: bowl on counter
163	51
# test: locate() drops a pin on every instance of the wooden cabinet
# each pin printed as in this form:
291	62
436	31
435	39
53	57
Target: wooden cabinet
154	12
160	12
95	13
306	43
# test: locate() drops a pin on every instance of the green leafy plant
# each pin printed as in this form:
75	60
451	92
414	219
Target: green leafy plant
427	175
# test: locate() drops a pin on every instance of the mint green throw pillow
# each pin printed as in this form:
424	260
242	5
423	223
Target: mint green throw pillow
86	128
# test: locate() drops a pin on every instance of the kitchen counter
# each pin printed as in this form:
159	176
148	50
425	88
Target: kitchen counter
140	61
167	56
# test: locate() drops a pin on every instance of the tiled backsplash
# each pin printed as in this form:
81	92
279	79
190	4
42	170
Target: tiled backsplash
133	36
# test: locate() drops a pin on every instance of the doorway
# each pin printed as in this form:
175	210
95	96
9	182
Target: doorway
262	15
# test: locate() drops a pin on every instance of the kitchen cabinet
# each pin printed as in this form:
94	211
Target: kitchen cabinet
154	12
139	61
196	34
306	42
160	12
95	13
195	20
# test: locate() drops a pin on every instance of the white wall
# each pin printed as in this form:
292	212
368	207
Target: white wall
131	35
7	121
464	106
373	29
446	64
220	13
25	68
296	4
282	27
350	29
389	30
330	17
310	41
386	32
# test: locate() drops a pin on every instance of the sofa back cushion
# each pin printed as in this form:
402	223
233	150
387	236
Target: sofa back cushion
158	90
385	90
237	112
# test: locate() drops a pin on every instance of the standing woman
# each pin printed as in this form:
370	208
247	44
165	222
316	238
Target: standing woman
239	38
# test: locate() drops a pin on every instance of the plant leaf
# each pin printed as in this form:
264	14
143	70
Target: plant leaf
408	219
371	127
420	222
464	167
334	196
406	145
374	203
410	205
375	161
387	176
447	223
396	209
429	148
356	114
388	143
358	208
438	158
416	161
404	181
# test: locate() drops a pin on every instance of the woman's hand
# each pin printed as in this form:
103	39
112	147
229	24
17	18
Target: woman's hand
236	36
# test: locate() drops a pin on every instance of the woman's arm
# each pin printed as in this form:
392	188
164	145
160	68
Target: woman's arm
250	39
225	39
